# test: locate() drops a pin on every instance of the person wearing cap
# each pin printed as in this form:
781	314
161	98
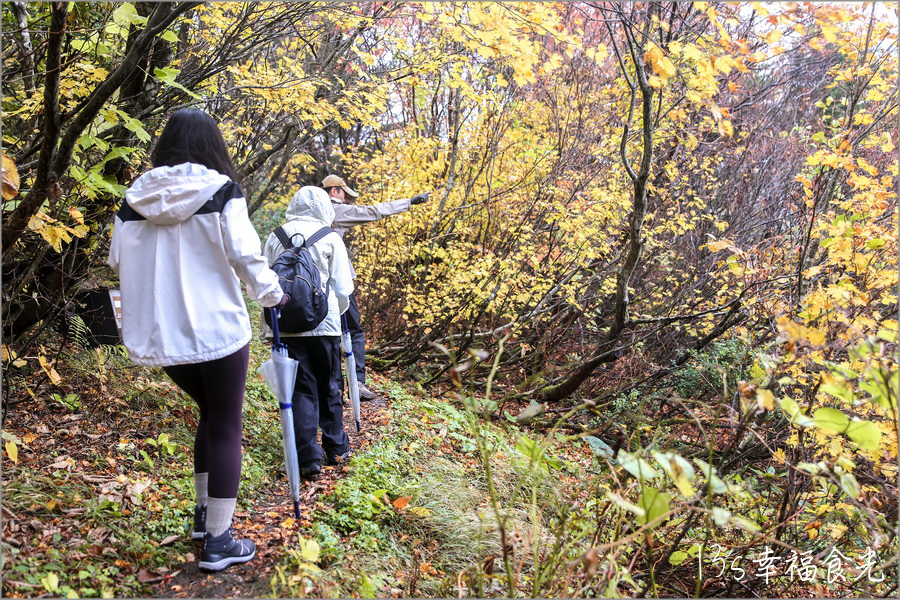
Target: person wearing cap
347	215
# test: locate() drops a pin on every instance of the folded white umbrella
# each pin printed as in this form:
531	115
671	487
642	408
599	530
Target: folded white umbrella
280	374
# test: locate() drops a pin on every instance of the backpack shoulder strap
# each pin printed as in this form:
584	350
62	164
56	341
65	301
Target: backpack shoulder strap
282	236
318	236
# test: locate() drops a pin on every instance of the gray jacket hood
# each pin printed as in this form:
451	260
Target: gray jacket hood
311	204
170	195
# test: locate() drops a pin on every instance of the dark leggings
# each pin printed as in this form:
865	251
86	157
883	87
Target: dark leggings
218	388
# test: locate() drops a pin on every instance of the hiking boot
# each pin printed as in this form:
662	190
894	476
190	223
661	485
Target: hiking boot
310	472
222	551
199	531
365	393
332	460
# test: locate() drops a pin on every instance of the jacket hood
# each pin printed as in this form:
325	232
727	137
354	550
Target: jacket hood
170	195
311	203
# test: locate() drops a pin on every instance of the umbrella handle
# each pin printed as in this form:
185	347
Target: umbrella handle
275	313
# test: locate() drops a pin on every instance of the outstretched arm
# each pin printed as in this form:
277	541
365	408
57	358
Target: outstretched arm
349	215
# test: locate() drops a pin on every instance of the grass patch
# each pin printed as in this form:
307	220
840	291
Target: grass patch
413	516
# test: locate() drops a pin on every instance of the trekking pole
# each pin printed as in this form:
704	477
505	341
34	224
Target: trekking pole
350	368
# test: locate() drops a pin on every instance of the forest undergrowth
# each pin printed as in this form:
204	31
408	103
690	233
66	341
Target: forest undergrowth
664	492
641	340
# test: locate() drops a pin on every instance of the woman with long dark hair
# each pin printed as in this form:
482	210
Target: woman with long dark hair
181	245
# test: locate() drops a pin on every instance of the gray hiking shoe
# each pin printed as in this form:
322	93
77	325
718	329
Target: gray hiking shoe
365	393
222	551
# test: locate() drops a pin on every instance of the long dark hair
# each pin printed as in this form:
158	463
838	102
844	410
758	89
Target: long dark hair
192	136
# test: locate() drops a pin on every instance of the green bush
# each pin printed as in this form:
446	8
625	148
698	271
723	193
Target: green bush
716	370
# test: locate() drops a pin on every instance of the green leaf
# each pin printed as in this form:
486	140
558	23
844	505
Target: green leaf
757	374
830	419
366	587
599	447
529	448
811	468
677	557
88	141
877	393
309	550
744	523
136	127
127	15
865	433
849	484
794	412
720	516
87	46
168	75
887	335
843	392
679	469
842	369
654	503
637	466
169	36
714	481
623	503
51	582
118	152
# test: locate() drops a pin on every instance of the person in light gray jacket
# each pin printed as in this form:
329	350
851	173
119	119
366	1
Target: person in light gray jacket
347	215
316	401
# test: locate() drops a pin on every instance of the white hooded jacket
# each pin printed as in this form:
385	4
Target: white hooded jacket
309	211
181	244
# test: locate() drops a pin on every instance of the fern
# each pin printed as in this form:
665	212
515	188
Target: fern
79	331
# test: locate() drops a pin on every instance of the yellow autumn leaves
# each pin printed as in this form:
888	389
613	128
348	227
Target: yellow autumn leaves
10	178
661	65
52	230
56	232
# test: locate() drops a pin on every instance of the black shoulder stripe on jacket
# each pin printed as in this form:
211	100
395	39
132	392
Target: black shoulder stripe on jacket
215	204
126	213
227	192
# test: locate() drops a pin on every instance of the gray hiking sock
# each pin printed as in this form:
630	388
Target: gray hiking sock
218	515
201	494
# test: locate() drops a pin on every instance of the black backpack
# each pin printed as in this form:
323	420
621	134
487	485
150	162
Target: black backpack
299	278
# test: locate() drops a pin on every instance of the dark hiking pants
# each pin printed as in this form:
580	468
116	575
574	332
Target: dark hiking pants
317	397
